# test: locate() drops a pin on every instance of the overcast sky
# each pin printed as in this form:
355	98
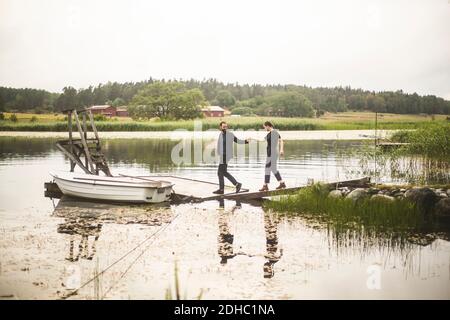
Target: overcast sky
375	45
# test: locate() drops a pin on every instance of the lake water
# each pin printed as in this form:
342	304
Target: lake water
230	251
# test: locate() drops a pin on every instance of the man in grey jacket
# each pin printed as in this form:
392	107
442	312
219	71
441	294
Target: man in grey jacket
225	151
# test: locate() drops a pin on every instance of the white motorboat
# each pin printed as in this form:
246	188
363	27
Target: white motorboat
117	188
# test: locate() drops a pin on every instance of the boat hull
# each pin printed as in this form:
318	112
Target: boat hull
100	190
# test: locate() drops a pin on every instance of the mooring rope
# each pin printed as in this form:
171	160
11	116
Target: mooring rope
126	270
74	292
135	260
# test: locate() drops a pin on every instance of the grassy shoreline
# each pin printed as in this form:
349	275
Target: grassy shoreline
338	121
397	215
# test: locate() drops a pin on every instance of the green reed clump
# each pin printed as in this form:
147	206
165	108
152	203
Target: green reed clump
402	136
432	140
33	126
380	214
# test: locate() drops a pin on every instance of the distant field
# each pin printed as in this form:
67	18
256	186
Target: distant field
330	121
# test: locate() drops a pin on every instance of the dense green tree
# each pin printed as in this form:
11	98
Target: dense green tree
68	99
224	99
189	105
118	102
85	97
99	95
166	100
2	104
24	99
287	104
356	102
376	103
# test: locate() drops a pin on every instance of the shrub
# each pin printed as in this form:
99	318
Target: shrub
100	117
319	113
433	140
243	111
33	119
13	118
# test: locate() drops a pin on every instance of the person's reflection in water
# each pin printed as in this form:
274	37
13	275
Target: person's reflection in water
84	227
225	238
271	222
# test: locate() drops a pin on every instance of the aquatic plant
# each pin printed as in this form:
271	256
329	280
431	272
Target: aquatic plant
384	225
424	161
175	294
430	141
382	216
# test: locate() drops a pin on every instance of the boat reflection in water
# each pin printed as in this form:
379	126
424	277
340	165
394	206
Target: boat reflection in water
84	221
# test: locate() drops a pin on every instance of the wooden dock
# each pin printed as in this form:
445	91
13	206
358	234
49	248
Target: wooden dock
389	145
193	190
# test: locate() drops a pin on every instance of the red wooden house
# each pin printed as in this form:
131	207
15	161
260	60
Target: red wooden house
106	110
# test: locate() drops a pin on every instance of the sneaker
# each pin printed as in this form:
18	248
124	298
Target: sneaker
218	191
238	187
281	186
264	188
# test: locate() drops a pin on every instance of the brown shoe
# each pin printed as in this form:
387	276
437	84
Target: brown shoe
281	186
264	188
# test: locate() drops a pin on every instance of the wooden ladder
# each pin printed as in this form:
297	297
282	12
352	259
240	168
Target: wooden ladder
84	148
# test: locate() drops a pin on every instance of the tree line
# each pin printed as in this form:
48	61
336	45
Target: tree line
245	99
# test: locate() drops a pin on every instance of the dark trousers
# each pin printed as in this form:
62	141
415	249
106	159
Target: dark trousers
223	172
271	166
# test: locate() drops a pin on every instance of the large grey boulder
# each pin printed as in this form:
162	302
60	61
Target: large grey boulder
335	194
424	198
442	208
382	198
357	194
399	195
